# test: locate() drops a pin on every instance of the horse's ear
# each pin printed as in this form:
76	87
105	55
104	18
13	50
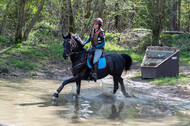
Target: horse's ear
69	35
63	36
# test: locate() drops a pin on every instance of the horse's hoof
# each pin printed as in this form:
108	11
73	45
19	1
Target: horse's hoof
54	102
127	95
55	96
134	96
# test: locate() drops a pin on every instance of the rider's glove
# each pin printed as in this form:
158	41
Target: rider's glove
84	43
93	48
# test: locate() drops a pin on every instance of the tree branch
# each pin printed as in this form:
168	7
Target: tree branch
27	31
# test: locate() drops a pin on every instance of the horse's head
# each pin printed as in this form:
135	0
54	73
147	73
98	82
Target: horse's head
72	43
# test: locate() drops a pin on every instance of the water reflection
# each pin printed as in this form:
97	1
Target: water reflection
104	106
81	108
29	100
114	112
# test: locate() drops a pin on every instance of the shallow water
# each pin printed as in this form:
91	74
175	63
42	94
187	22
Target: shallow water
27	102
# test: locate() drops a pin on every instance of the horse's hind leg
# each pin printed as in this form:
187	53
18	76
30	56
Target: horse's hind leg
78	83
123	88
116	86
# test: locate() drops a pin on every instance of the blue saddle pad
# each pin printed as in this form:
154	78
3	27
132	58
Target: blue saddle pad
101	63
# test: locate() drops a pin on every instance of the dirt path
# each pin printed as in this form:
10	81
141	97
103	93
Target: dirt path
176	92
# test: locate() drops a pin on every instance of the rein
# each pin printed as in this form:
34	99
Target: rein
82	61
74	45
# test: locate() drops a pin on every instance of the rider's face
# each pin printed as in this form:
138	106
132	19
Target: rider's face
96	26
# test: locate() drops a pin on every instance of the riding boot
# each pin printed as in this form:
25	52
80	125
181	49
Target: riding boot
94	74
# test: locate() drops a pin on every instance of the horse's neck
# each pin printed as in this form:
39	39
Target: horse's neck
73	58
77	55
78	58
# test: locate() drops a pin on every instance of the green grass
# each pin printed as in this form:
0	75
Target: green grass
30	56
181	79
136	75
24	64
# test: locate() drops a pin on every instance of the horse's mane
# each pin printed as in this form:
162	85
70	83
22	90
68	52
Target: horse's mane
77	39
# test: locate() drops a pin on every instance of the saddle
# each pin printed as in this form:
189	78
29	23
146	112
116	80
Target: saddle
101	61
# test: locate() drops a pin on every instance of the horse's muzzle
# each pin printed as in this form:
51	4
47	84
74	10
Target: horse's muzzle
65	57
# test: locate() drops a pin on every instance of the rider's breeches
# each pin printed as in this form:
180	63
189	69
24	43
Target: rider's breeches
97	55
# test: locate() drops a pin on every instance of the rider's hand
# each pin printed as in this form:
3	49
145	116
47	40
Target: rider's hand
84	44
93	48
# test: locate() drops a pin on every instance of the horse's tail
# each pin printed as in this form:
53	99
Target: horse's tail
128	61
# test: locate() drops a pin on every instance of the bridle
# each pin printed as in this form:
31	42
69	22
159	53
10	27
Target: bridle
73	45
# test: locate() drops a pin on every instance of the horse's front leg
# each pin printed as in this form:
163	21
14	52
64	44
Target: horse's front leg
78	83
73	79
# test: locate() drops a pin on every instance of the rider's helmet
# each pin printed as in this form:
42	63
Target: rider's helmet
99	21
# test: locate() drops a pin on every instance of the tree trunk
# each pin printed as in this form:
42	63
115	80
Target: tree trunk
158	21
101	10
90	19
173	20
117	16
131	14
71	18
27	31
20	21
4	18
155	37
88	9
179	16
188	25
61	18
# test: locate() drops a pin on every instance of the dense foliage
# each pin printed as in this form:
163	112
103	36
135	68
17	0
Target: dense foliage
20	18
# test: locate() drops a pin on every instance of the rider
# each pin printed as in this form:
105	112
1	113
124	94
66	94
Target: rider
97	38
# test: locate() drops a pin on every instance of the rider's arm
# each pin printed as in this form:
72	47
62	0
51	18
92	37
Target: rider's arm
101	45
88	40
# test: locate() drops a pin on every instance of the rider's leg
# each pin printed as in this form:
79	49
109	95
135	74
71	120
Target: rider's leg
97	55
95	71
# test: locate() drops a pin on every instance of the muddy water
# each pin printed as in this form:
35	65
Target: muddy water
27	102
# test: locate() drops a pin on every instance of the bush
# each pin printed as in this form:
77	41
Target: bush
43	32
4	40
176	40
3	66
180	41
24	64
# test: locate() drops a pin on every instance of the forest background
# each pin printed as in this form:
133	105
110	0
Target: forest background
30	30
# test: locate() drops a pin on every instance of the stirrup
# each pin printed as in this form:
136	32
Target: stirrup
94	76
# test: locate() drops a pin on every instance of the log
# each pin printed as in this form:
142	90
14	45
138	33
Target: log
175	32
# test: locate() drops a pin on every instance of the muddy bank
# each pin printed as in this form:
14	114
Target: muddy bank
175	92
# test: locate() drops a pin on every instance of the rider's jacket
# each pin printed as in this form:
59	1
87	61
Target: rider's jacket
97	37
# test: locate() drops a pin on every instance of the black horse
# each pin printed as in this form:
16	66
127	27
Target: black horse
115	65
